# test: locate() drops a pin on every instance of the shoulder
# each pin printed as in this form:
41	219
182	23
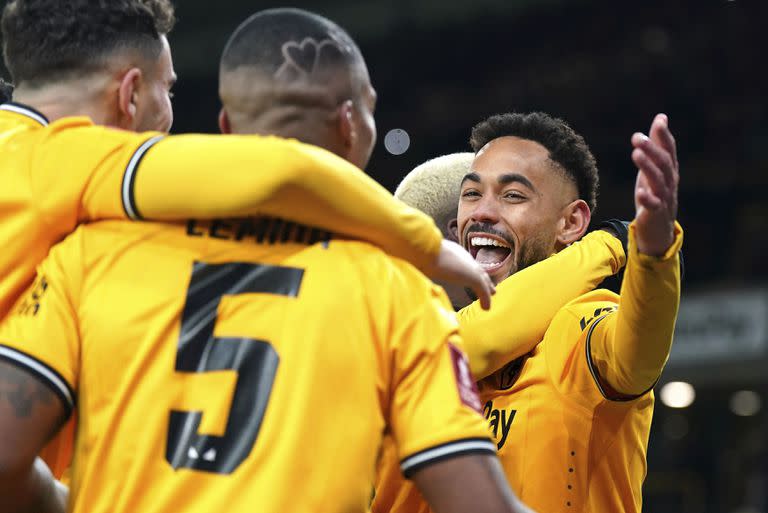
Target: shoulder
88	137
392	276
589	302
584	310
376	262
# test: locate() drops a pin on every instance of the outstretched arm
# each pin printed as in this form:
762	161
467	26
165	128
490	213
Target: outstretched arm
629	347
526	302
233	176
205	177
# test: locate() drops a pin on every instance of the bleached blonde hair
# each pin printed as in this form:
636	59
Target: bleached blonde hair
434	187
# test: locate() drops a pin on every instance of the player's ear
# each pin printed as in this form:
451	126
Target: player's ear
574	222
127	98
453	230
224	125
346	123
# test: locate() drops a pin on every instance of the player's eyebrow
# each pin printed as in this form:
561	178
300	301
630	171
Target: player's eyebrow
504	179
471	177
509	178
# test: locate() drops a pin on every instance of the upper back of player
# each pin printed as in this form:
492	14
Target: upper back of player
47	171
215	373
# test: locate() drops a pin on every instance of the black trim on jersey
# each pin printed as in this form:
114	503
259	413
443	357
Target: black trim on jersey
44	373
462	447
591	365
129	178
25	110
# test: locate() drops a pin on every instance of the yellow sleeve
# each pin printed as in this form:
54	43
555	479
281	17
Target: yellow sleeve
199	176
434	409
526	302
87	173
629	348
41	334
76	172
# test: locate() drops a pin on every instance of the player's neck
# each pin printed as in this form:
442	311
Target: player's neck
307	129
65	99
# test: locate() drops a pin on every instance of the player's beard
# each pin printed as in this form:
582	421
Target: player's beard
532	251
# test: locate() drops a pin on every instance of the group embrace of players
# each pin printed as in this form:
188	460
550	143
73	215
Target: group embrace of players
240	322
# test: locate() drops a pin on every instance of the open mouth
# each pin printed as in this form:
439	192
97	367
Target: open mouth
489	251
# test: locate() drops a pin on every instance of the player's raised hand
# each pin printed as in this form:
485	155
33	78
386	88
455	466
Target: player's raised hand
454	265
656	189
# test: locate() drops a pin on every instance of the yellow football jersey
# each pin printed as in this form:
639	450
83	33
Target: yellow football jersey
565	441
519	317
59	174
56	175
49	182
254	373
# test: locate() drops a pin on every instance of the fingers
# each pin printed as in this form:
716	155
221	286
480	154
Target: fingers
655	179
662	135
658	156
484	289
646	199
491	290
455	265
656	188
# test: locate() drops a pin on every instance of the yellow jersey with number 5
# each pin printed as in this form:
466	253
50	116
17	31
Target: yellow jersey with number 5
224	366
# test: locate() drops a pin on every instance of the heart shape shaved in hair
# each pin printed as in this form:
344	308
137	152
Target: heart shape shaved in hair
303	56
301	60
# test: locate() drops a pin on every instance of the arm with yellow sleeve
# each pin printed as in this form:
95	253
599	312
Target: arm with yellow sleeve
87	173
629	347
526	302
205	176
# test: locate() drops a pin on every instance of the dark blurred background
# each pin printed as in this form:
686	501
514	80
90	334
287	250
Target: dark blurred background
606	67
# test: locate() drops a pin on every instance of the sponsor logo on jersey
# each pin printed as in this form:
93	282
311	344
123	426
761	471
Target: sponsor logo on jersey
30	305
500	421
584	322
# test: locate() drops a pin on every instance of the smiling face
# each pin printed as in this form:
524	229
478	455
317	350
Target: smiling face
515	207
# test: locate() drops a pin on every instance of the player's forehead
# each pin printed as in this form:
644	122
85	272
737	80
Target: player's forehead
511	155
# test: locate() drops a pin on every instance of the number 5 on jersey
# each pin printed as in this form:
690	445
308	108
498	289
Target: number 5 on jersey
255	362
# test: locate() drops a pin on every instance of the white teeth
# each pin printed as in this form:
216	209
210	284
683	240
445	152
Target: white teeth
487	241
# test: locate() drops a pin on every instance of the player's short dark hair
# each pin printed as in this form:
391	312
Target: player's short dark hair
6	91
566	148
259	42
48	40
